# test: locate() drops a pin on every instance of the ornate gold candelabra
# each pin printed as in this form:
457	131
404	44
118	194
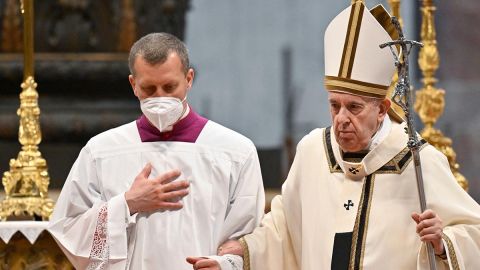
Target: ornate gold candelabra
430	101
26	183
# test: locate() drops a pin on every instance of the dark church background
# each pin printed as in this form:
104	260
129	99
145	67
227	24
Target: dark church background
259	67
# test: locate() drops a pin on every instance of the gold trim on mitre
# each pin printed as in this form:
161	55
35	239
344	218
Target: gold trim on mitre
344	80
385	20
354	63
351	39
355	87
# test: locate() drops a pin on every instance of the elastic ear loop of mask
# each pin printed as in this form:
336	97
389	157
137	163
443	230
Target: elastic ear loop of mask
184	109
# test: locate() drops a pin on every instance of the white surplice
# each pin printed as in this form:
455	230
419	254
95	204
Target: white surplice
371	197
93	226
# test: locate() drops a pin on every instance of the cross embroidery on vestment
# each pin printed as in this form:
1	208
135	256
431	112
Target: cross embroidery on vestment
353	170
348	204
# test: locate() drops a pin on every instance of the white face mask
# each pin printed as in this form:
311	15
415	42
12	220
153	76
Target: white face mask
162	112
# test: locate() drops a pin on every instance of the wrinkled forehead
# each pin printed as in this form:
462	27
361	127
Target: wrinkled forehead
348	99
339	95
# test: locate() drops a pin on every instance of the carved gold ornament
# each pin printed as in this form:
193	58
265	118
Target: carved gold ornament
430	101
26	183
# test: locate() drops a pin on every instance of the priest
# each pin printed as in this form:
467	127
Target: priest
147	194
350	200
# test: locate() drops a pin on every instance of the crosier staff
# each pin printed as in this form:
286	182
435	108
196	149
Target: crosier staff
402	96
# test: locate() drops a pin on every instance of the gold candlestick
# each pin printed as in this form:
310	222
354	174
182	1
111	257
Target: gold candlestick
430	101
27	11
26	184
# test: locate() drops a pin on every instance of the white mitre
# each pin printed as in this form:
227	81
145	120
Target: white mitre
354	62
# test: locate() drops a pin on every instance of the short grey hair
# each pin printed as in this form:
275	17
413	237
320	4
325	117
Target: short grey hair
156	47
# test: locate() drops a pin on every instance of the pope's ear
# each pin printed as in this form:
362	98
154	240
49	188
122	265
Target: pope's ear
385	106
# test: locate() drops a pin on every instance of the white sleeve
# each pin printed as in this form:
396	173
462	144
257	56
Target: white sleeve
276	243
247	203
90	230
460	214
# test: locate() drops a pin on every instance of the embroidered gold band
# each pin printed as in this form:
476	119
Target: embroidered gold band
360	228
351	39
246	254
355	87
451	252
384	19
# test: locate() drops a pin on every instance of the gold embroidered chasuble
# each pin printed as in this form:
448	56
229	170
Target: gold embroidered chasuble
328	193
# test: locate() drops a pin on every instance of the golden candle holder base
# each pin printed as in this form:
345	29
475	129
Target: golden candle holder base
430	101
444	144
20	253
26	183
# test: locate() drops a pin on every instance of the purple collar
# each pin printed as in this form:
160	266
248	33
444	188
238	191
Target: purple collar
186	130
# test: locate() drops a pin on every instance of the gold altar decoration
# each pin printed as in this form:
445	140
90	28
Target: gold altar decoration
26	183
44	254
430	101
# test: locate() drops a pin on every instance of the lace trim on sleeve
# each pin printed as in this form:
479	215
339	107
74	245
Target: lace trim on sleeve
100	252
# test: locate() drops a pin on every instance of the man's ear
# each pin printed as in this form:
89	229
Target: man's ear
131	79
384	106
190	75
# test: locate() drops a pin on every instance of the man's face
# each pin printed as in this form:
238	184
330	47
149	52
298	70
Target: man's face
355	119
165	79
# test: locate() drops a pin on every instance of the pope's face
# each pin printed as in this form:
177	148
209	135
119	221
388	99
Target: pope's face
355	119
166	79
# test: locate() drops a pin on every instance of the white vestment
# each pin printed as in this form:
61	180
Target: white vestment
371	197
92	223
